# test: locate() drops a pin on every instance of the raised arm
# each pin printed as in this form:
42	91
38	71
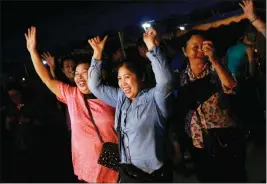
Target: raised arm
41	70
162	71
107	94
225	76
249	13
50	62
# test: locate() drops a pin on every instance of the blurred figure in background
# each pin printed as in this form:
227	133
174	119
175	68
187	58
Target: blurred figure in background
21	123
241	55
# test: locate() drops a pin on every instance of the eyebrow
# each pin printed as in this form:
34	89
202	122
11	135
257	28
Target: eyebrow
123	75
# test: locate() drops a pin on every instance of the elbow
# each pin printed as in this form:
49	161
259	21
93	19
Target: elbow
47	80
231	85
167	85
168	81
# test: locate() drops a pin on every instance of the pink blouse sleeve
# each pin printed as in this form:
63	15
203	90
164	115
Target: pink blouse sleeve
66	91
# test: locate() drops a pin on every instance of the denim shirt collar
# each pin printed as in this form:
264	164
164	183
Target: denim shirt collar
139	100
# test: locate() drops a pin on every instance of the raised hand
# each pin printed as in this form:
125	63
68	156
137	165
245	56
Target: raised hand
97	44
31	39
209	50
49	59
149	38
248	9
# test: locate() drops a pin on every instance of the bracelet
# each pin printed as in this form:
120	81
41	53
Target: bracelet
254	19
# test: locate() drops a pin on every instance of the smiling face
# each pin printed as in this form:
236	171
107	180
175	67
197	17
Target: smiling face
129	82
194	51
68	69
81	78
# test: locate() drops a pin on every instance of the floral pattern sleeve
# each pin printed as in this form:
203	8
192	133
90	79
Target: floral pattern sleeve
225	89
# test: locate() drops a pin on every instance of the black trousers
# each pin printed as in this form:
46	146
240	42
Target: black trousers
131	174
224	164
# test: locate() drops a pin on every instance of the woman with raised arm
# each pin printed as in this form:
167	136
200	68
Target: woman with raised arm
141	114
86	146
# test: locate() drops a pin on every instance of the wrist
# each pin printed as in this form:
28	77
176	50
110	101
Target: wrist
252	17
33	51
150	46
97	56
214	60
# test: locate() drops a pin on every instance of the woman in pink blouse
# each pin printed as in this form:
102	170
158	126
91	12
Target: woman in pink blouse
86	146
217	148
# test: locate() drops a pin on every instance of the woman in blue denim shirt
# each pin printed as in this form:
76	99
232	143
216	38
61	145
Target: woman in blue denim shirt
142	113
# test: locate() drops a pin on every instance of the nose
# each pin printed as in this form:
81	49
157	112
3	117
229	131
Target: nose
123	83
199	49
79	76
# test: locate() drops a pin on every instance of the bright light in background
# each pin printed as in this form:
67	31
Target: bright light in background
44	62
23	79
146	26
182	28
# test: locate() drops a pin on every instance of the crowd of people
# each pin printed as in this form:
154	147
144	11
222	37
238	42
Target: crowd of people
144	107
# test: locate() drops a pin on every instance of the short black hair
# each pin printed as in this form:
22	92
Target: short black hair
66	58
137	67
84	61
251	33
193	33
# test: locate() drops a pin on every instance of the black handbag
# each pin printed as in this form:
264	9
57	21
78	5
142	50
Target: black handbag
109	156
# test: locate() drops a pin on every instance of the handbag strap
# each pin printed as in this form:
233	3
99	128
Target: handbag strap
119	131
93	121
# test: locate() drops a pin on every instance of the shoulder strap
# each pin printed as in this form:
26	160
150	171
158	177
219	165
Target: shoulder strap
93	121
119	130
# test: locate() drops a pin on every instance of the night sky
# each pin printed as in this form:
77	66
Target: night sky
60	24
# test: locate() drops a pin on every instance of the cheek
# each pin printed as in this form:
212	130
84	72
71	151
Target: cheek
119	83
192	54
65	70
133	83
85	76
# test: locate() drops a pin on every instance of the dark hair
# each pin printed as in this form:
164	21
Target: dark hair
193	33
251	33
82	62
66	58
135	67
111	47
140	43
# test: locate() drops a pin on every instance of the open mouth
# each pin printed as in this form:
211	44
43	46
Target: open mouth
127	90
81	83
